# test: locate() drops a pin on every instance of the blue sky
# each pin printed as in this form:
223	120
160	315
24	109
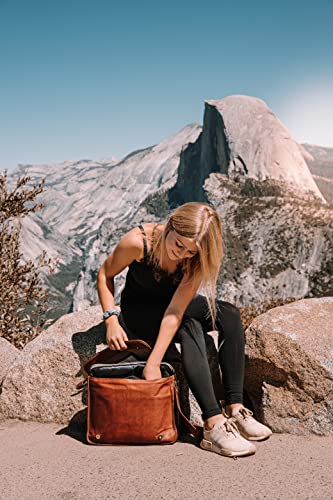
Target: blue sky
92	79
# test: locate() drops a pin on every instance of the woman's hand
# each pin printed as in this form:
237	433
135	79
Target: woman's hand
151	372
115	335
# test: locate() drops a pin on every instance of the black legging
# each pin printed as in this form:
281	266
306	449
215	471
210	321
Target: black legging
196	321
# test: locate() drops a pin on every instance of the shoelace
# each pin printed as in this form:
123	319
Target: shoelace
245	413
229	427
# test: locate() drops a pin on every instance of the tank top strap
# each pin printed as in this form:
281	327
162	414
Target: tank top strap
145	251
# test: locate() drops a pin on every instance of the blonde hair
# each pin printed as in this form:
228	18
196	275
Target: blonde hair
201	223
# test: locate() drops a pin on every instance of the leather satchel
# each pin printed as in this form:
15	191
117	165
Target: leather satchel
124	408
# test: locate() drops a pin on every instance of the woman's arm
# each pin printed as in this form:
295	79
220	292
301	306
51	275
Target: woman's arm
128	249
170	324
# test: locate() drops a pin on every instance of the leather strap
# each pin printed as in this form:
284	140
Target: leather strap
194	430
145	249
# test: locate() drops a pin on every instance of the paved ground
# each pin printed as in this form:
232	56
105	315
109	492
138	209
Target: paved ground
39	462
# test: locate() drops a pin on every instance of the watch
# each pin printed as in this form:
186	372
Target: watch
110	312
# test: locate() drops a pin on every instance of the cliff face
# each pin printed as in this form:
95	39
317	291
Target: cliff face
277	244
80	196
277	225
320	162
73	190
210	153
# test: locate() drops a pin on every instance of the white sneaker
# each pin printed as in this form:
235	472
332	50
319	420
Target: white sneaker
248	426
225	439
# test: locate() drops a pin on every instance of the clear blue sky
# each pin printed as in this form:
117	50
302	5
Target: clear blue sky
91	79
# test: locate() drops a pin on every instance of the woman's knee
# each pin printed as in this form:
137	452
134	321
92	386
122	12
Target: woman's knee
190	327
229	317
228	309
192	339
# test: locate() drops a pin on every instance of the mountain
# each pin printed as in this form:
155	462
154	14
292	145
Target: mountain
320	162
251	141
278	244
277	223
81	195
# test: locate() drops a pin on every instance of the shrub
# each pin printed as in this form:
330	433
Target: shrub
23	300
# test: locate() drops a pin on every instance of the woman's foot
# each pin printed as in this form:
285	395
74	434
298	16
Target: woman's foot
224	438
247	425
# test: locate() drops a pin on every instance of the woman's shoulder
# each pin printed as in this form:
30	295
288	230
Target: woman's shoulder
151	230
139	236
131	241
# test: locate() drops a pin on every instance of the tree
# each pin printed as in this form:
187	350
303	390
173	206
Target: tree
23	299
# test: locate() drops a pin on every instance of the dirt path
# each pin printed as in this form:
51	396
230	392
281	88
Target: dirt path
37	463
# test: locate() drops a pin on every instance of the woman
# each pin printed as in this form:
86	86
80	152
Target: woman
159	304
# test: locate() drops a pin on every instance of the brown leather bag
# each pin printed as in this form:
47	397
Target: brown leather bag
123	408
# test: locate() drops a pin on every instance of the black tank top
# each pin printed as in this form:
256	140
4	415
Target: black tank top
147	284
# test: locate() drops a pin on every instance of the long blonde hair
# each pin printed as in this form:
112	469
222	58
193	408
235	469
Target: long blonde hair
201	223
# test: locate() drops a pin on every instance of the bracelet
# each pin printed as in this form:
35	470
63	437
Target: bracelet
109	313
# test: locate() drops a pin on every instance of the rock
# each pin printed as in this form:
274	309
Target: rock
289	368
41	384
8	355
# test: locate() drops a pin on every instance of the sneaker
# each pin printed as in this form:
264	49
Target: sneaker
225	439
248	426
